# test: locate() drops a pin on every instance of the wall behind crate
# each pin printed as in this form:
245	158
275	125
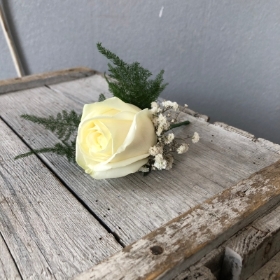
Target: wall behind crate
220	57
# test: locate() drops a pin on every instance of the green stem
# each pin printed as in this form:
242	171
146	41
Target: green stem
178	124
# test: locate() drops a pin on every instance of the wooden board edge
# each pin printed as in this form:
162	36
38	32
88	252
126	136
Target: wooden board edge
191	112
235	130
183	241
47	78
266	143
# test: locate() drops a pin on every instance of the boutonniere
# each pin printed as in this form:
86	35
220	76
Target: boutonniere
127	133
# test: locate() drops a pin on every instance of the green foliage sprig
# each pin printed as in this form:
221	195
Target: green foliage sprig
64	125
130	82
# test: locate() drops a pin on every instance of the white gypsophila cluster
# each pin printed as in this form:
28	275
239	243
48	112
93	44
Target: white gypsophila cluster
195	137
183	148
164	117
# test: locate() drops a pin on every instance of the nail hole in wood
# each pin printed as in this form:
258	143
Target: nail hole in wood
156	250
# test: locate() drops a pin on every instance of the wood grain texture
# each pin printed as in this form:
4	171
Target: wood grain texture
199	273
257	243
164	253
135	205
50	235
270	271
8	268
38	80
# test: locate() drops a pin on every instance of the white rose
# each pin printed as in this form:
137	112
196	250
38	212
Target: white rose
114	138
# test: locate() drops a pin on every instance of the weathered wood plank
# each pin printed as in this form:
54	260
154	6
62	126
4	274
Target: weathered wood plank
49	78
164	253
50	235
219	160
270	271
213	261
256	244
8	269
246	251
196	273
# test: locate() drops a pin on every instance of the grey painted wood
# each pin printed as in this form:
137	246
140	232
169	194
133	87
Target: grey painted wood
8	268
172	248
134	206
50	235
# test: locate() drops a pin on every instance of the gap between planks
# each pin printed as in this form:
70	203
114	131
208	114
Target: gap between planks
134	206
47	231
114	234
8	266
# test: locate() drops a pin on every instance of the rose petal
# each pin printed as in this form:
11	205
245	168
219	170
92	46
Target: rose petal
119	171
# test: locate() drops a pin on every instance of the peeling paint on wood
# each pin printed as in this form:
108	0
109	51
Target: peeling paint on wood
187	238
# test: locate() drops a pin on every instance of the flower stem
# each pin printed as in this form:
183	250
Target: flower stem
178	124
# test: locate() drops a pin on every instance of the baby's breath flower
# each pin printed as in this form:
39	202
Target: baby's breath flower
160	162
169	138
182	148
159	131
162	120
155	150
195	137
186	105
144	169
169	104
154	106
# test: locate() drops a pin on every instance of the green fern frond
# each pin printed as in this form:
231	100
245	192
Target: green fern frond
130	82
101	97
64	149
63	125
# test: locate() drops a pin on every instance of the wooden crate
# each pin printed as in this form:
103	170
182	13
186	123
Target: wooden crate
197	219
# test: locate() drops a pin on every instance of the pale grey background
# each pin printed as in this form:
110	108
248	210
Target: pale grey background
221	57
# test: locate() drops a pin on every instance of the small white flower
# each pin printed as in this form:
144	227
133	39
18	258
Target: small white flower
159	131
186	105
162	120
160	162
182	148
169	138
155	150
144	169
169	104
195	137
154	106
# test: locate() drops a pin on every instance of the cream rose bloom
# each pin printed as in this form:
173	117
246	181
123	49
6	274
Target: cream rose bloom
114	138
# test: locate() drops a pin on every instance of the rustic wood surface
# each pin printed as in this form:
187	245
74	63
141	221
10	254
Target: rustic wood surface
49	78
258	243
50	235
270	271
200	273
8	268
135	205
130	207
165	252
